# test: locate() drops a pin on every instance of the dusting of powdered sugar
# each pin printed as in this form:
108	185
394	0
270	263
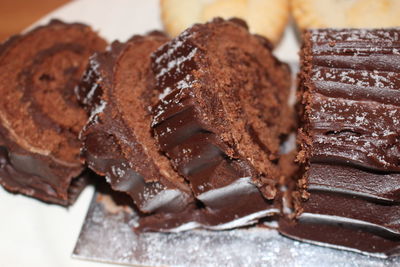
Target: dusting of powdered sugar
99	108
354	102
164	93
183	84
355	126
361	78
93	118
186	83
150	192
351	35
355	114
175	63
173	46
92	73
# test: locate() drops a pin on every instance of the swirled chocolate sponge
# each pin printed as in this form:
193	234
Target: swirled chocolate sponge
40	117
118	88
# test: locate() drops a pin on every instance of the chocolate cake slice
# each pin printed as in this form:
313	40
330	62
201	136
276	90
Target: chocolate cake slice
40	117
119	89
222	112
349	141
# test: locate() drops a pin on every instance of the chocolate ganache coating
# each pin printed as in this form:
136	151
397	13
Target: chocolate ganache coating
349	141
118	89
40	117
221	114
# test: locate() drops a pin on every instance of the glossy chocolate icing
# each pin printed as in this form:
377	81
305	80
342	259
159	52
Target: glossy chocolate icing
349	140
380	186
102	157
52	67
336	234
354	114
191	120
41	181
112	144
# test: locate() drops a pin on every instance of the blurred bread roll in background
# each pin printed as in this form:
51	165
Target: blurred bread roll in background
265	17
346	13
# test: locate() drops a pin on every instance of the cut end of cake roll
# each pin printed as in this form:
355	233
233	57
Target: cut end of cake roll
348	195
118	88
221	115
40	117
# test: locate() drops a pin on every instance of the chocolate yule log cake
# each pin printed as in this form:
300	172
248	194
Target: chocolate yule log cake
349	141
221	116
118	87
39	114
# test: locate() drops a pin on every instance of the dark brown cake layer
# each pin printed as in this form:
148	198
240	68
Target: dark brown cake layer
337	234
118	87
222	111
349	140
40	117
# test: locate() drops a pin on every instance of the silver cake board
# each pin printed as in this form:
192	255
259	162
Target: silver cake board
107	236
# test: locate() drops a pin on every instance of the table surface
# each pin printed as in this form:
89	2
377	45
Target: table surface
16	15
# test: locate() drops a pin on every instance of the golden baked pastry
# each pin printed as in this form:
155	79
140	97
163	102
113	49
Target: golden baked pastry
265	17
346	13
